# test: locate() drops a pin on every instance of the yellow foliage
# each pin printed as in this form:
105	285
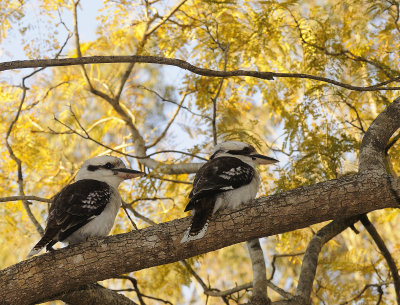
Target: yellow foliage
313	128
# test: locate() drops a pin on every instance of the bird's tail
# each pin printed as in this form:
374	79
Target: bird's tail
43	242
202	214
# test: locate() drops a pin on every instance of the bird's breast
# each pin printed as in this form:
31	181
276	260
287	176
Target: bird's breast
234	198
100	225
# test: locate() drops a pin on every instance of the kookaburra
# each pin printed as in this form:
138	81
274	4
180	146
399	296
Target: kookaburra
88	206
226	181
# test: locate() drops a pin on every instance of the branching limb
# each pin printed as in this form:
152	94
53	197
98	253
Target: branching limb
366	287
20	178
310	260
279	256
139	294
86	135
361	127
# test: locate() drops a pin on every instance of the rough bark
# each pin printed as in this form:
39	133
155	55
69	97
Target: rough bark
375	140
94	294
41	278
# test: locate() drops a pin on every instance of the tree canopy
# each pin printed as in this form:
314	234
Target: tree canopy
158	83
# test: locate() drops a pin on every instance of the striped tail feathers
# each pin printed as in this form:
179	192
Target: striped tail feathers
203	210
45	241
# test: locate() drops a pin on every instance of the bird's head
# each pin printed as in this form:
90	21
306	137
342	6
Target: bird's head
107	169
243	151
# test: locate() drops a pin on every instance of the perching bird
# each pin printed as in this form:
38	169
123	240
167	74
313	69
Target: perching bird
87	207
226	181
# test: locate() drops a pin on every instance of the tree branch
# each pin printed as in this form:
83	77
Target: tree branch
310	260
385	252
375	140
23	64
103	258
20	178
94	294
25	197
260	295
358	295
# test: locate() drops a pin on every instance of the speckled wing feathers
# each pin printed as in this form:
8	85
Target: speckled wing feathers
219	175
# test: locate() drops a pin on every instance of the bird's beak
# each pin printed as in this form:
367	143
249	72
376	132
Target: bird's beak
126	173
261	159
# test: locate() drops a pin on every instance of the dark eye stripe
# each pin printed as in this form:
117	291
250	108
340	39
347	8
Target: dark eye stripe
93	168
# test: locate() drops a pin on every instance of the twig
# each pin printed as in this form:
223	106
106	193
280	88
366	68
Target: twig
24	197
130	219
135	286
18	161
164	99
214	99
275	256
385	252
166	17
378	286
150	199
162	135
176	151
138	215
87	136
357	114
348	54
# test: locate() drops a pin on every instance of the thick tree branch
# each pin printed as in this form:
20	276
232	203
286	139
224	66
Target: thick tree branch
99	259
375	140
23	64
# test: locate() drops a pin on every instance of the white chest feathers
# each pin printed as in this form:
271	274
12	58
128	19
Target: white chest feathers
100	225
234	198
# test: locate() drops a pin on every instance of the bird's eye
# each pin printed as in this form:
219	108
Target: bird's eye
108	165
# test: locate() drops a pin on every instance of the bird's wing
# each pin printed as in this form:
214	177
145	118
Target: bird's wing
76	205
219	175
